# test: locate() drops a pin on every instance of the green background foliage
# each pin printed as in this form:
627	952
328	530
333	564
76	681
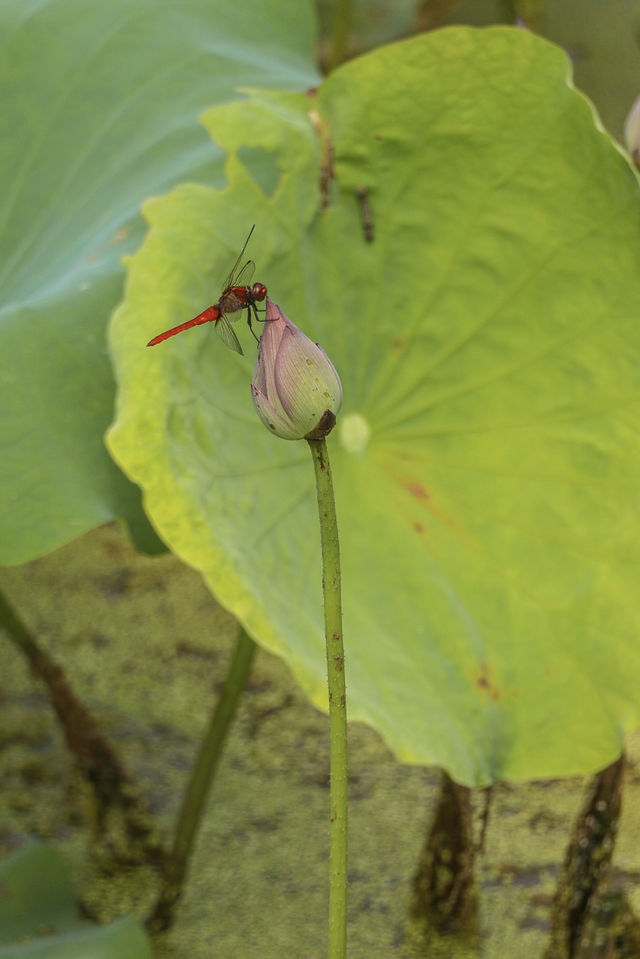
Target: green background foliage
100	106
39	914
485	459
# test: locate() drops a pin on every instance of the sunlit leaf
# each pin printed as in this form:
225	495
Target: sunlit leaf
486	459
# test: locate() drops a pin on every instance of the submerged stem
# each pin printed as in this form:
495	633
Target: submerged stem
96	756
197	790
337	699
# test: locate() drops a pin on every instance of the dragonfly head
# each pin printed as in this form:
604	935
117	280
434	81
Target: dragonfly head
259	291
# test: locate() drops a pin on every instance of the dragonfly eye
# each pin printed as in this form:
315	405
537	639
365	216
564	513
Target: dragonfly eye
259	291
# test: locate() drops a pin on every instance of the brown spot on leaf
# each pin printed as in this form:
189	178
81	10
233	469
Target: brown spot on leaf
418	490
365	212
411	483
327	171
484	682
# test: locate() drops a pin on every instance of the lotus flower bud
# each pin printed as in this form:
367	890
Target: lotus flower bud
296	390
632	132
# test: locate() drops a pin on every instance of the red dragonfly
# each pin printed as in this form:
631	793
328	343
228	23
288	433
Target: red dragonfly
236	296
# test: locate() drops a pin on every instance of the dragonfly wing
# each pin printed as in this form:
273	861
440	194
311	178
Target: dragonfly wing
227	335
245	275
232	303
230	279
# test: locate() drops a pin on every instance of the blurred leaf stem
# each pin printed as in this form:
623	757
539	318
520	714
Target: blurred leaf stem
340	30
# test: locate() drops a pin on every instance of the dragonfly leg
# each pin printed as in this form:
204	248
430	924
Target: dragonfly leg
250	307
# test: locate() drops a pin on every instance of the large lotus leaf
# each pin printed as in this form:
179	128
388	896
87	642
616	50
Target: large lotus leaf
121	939
100	103
39	914
486	460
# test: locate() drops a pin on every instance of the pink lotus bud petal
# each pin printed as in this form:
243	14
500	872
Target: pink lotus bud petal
294	382
632	132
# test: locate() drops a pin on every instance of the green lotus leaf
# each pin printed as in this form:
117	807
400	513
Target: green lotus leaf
100	103
454	227
39	914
